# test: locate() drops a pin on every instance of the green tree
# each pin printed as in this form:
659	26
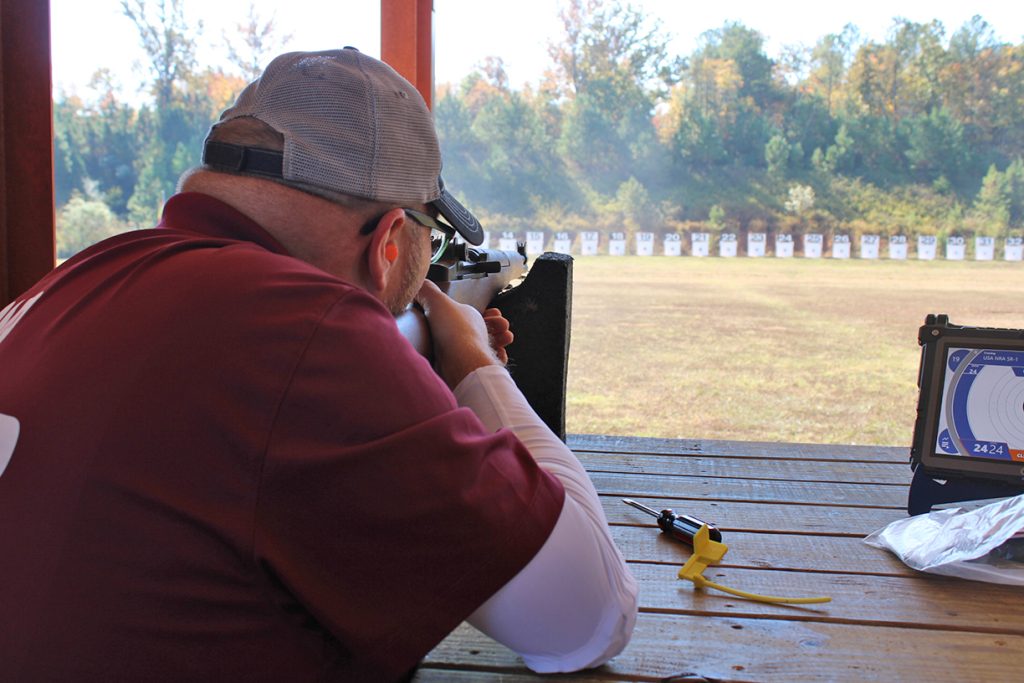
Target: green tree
744	47
497	145
876	152
1001	198
716	218
835	157
972	75
936	146
461	149
696	144
183	109
69	148
169	42
97	143
1015	188
839	152
1000	201
608	67
149	194
634	202
521	168
732	81
82	222
830	59
806	123
900	77
776	155
115	137
702	109
984	89
255	42
921	60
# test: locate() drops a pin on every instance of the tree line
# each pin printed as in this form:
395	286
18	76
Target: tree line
922	132
114	163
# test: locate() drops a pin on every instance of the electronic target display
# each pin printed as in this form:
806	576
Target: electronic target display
982	411
970	419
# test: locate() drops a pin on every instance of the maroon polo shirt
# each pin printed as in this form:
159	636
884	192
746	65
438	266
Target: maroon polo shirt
232	467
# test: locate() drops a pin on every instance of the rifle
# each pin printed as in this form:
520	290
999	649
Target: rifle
538	306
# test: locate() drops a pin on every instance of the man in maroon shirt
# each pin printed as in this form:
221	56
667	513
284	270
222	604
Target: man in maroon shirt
219	460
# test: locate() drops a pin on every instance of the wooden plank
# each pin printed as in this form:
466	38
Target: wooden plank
923	601
766	551
750	449
695	648
761	517
671	489
427	675
746	468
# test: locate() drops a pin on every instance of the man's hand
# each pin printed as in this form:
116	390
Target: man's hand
462	338
499	333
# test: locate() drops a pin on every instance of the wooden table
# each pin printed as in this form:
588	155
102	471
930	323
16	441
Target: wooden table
793	516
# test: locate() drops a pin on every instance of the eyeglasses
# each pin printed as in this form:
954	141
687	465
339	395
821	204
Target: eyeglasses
440	233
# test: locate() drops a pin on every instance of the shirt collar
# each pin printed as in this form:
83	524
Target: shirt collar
206	215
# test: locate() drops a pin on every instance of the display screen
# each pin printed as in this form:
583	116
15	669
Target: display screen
982	405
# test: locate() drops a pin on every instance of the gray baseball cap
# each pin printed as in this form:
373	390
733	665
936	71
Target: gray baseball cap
351	125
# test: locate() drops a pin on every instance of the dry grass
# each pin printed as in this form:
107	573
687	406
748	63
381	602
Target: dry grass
795	350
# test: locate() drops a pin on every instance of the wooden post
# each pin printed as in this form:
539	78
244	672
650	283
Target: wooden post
407	42
27	246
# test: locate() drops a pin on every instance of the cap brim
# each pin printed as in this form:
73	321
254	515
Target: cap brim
459	217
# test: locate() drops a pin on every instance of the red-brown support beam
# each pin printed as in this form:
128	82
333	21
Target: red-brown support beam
407	41
27	247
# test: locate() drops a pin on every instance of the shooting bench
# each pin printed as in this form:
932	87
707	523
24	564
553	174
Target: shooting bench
793	516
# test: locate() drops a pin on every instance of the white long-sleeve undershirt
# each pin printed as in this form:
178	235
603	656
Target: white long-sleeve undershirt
574	605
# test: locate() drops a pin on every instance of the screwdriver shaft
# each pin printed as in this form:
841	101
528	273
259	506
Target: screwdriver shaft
641	506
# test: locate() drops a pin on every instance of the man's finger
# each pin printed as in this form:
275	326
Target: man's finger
495	325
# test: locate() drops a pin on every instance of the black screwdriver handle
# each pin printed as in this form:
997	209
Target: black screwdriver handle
684	527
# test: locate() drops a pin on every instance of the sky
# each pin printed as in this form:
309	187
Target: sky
93	34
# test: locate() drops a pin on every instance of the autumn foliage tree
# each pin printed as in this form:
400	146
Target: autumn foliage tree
918	131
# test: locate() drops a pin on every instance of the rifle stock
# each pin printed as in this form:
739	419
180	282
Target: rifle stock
538	307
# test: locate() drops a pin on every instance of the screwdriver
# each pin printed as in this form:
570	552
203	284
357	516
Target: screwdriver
680	527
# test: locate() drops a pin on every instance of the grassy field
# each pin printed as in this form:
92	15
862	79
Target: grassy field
766	349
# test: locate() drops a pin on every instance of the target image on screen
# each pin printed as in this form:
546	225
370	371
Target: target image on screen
982	405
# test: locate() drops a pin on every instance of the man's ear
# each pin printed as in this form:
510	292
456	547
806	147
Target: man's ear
384	251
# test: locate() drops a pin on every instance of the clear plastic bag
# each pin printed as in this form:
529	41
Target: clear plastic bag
976	544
